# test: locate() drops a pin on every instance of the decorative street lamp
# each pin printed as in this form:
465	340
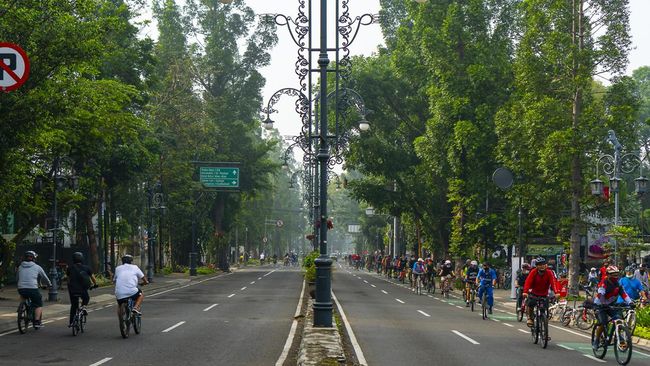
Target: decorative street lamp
155	202
61	182
613	167
316	140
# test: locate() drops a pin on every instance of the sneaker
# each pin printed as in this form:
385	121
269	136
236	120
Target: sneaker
530	323
137	311
38	325
84	311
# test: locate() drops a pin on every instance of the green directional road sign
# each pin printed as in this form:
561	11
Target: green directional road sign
219	177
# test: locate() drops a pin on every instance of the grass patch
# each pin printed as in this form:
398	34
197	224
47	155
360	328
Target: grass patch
102	281
642	332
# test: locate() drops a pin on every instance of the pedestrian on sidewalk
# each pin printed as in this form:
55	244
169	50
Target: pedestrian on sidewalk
80	280
29	275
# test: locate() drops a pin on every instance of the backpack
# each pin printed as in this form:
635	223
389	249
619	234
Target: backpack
85	277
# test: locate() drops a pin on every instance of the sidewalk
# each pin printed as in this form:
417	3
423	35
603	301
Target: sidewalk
9	298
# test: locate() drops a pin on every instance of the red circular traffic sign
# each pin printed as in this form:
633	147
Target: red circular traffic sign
14	66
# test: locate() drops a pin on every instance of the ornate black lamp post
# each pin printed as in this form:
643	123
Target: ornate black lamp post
325	144
613	166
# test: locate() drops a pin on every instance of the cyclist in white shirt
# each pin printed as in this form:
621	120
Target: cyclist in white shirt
127	278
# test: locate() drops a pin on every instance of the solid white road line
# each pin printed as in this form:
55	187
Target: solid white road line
423	313
353	339
594	358
243	288
384	291
523	331
400	301
102	361
641	353
292	332
173	327
231	295
210	307
570	331
565	347
9	332
458	306
470	340
162	292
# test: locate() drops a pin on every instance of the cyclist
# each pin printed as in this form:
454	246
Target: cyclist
642	275
418	270
80	278
522	275
430	269
445	270
29	274
632	286
608	292
538	283
126	279
486	279
470	279
593	279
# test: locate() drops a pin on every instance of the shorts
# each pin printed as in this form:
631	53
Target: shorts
33	294
134	297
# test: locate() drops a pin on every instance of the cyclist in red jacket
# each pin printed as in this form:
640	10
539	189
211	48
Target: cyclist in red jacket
539	281
609	289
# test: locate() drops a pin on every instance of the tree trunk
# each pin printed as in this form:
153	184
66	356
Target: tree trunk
88	214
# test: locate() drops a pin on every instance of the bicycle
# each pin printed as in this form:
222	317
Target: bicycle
418	283
616	333
80	317
445	286
484	305
630	318
129	318
472	295
539	330
25	315
521	305
431	284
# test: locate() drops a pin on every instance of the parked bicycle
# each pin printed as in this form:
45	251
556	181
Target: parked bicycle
539	330
129	318
615	333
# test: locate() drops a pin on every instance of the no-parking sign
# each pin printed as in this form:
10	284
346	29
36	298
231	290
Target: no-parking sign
14	67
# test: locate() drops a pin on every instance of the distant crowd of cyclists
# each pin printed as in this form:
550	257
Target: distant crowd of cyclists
534	280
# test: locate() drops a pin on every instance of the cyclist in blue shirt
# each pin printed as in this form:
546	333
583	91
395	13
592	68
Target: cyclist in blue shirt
487	279
632	286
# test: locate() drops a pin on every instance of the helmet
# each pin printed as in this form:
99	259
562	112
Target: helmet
77	257
592	269
30	255
447	261
540	260
474	263
525	266
127	258
420	260
612	270
629	269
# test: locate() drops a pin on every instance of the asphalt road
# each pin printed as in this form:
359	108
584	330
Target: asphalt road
394	326
238	319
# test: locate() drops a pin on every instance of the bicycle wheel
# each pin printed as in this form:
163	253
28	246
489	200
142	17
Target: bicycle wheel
433	285
601	345
543	330
124	320
23	319
566	317
137	323
520	312
472	300
534	330
484	306
585	319
75	325
82	321
623	344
